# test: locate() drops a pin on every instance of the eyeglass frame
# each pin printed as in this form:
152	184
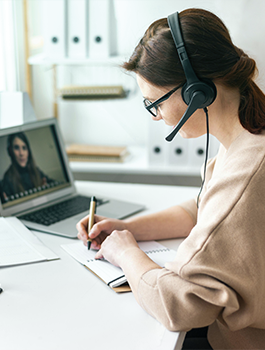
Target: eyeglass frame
159	100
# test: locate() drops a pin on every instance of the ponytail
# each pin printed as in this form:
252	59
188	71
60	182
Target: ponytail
212	55
252	99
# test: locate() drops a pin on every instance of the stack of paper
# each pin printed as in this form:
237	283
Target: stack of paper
20	246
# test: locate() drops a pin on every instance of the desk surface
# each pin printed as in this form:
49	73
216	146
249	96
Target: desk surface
61	305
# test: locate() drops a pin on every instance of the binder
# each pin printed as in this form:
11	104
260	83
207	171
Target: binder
54	27
101	29
177	151
77	28
156	142
197	151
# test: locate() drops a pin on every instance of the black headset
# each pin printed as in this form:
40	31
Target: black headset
195	93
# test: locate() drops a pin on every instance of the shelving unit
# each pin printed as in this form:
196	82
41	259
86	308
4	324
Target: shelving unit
137	169
136	163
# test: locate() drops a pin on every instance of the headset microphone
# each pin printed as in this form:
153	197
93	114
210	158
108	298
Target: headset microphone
196	100
195	93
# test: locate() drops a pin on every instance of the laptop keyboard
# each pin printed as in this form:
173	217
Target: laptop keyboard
60	211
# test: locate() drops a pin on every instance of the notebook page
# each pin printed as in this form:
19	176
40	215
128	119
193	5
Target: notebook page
107	272
102	268
14	250
157	252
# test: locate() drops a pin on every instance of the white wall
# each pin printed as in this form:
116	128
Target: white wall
126	121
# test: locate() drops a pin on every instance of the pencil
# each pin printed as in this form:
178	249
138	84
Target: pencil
92	210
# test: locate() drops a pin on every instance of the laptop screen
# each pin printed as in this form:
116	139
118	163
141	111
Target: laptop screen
31	165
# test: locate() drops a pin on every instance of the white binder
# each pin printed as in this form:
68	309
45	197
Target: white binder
101	29
77	28
156	142
177	151
197	151
54	27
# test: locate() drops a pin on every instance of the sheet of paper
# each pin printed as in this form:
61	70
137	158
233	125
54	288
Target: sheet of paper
18	245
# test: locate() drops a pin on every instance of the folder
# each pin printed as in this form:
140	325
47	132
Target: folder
77	28
54	15
101	29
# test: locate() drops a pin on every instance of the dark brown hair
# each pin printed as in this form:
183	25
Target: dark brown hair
14	170
213	56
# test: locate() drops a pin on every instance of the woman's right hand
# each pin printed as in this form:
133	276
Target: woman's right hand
102	228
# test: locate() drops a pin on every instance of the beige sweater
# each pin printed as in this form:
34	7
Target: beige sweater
218	276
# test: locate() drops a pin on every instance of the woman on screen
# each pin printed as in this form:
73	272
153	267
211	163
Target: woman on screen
23	175
217	279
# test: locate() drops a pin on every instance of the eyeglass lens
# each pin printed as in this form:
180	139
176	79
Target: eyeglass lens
153	110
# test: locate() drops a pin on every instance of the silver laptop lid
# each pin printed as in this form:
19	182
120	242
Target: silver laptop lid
34	167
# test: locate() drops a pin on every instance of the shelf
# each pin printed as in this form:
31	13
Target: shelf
135	163
41	59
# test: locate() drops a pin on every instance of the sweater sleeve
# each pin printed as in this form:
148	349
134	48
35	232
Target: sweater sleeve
177	303
191	208
218	272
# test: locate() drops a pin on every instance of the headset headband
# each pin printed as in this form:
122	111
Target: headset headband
173	22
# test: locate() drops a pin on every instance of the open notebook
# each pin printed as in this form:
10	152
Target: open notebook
113	276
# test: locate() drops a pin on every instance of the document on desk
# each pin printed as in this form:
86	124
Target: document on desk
112	275
20	246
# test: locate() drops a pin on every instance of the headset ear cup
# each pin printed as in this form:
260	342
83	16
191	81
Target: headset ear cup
208	89
184	94
213	94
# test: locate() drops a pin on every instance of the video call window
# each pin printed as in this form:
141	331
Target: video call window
31	165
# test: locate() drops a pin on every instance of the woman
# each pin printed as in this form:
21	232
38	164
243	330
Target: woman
23	175
218	276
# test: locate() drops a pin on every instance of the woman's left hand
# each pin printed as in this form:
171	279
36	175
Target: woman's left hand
116	245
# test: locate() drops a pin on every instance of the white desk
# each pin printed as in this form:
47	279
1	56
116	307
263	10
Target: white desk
60	305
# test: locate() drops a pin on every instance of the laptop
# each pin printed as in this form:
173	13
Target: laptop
37	186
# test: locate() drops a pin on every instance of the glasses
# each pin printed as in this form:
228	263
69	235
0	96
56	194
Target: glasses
152	107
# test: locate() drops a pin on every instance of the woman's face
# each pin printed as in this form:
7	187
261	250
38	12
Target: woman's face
20	151
173	109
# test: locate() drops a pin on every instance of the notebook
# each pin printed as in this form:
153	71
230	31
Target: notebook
112	275
36	182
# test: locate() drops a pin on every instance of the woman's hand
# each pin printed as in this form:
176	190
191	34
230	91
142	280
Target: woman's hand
102	228
116	245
